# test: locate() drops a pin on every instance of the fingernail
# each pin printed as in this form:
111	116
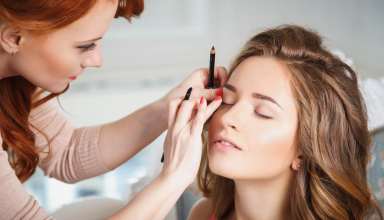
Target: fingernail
201	100
217	98
219	92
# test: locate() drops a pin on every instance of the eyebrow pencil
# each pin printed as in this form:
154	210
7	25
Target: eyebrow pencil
211	77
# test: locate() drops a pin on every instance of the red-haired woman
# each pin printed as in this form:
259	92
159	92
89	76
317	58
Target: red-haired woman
44	45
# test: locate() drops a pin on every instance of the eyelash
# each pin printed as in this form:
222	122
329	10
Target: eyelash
87	47
263	116
258	114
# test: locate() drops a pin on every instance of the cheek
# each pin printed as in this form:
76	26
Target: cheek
271	148
213	125
61	62
48	67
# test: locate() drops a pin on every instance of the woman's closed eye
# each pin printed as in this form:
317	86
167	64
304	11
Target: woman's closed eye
258	112
262	115
87	47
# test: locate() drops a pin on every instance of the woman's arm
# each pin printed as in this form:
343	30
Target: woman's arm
79	153
15	202
122	139
154	201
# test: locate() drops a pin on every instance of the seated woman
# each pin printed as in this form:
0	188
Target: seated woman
290	140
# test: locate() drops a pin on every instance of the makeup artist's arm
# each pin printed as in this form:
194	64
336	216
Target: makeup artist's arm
122	139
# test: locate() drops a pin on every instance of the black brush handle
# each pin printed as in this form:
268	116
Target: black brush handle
186	97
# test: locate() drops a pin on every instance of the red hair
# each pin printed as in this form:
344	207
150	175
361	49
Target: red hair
17	95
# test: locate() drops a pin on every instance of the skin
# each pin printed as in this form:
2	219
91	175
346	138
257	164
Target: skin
52	60
49	60
264	130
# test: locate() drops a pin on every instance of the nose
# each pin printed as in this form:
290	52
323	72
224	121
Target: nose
232	116
93	60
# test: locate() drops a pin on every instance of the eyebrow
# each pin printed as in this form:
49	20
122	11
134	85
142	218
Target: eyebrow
254	95
91	40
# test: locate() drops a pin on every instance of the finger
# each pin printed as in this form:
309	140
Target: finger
221	74
212	107
184	114
198	75
210	94
172	112
203	74
205	112
198	121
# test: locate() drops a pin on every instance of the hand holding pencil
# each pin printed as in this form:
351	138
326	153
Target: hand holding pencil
183	144
203	82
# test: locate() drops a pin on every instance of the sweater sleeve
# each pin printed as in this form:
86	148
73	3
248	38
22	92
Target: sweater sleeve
15	202
71	154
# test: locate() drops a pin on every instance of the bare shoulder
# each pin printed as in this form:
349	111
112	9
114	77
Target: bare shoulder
201	210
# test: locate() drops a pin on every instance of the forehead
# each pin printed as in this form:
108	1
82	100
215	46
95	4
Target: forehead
261	72
265	75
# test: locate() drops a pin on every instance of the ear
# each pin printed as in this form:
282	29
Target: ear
296	163
10	38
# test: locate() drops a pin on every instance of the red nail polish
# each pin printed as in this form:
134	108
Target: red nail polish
201	100
219	92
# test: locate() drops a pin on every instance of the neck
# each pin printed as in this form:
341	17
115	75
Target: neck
5	67
262	199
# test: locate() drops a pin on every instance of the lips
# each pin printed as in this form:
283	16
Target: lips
226	143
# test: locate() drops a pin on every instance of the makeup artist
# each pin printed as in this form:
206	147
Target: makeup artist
44	46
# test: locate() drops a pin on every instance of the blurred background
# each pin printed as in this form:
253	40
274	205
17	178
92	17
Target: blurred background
146	58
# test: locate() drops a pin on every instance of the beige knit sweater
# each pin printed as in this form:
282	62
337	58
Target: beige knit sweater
74	156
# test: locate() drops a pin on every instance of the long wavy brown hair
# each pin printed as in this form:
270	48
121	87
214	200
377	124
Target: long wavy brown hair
332	135
17	95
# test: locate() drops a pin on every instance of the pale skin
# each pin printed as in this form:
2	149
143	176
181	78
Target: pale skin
52	60
252	141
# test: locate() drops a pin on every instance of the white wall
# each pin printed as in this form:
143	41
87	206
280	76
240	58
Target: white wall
354	26
173	37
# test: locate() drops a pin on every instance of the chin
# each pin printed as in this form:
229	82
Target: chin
224	168
235	170
56	88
